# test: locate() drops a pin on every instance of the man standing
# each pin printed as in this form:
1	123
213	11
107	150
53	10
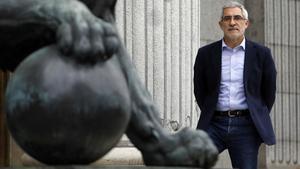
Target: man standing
234	85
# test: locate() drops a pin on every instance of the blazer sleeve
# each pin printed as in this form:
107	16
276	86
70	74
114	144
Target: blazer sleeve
199	81
269	80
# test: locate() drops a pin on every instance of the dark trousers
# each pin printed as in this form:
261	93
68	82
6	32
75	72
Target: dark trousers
239	136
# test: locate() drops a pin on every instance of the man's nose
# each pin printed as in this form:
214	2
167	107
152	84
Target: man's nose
232	21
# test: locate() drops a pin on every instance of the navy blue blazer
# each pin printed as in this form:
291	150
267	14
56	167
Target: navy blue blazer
259	83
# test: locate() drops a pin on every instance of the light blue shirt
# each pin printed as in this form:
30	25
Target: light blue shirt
232	94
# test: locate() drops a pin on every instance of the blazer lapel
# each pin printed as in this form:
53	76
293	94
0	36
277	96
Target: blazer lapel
216	59
250	52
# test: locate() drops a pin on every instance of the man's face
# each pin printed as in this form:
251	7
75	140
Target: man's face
233	24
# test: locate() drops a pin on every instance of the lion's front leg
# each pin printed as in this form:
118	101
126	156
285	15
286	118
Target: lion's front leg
185	148
188	147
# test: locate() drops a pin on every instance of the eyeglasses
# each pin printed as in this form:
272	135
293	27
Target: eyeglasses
235	18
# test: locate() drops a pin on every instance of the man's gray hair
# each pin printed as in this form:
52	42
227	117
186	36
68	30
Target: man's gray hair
233	4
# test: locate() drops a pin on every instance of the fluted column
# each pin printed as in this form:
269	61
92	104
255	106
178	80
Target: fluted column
283	37
163	37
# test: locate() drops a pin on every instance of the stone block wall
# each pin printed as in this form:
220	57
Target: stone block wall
210	31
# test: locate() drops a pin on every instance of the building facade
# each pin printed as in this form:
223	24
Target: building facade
163	36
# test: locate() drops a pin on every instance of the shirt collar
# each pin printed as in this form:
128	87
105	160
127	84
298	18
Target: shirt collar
242	45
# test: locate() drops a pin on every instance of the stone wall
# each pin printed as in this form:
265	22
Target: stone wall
210	32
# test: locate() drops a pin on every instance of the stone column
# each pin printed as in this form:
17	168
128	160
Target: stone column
282	37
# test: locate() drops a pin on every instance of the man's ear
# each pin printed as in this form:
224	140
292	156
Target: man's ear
220	24
247	23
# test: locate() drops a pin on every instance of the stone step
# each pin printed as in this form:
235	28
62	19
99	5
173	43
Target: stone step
121	156
117	156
